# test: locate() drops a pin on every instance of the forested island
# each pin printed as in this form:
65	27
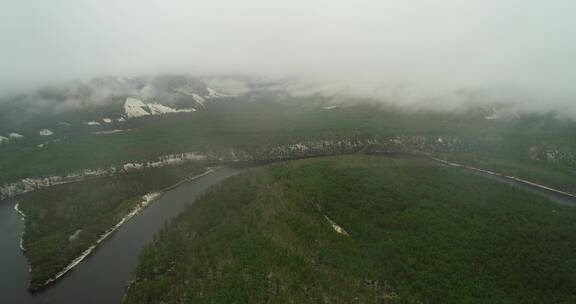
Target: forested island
64	221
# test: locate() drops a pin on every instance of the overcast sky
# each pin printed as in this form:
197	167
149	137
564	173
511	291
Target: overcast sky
519	44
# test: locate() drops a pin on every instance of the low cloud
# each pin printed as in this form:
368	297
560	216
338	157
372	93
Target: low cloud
415	53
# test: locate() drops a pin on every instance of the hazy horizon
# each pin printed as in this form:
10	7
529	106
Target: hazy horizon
511	50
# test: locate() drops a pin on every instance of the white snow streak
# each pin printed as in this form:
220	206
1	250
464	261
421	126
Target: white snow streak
45	132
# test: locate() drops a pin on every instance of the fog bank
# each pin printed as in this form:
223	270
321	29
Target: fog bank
412	51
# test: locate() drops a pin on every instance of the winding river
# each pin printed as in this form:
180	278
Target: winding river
104	275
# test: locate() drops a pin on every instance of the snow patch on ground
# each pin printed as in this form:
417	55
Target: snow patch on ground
330	107
33	183
134	108
75	235
132	166
3	139
189	92
198	99
215	94
14	135
107	120
91	123
159	109
336	227
16	207
166	160
109	132
45	132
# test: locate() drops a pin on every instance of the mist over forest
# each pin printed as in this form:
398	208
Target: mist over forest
412	54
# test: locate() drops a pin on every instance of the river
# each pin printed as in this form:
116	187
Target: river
103	276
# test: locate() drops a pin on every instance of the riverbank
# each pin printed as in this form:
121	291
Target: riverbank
23	216
145	202
498	174
29	184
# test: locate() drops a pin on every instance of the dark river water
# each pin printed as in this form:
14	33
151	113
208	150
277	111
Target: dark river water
103	276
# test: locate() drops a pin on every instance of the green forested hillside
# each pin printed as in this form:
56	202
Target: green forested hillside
413	232
247	126
62	221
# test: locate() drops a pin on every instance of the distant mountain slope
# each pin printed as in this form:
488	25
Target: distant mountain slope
360	229
106	97
110	121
